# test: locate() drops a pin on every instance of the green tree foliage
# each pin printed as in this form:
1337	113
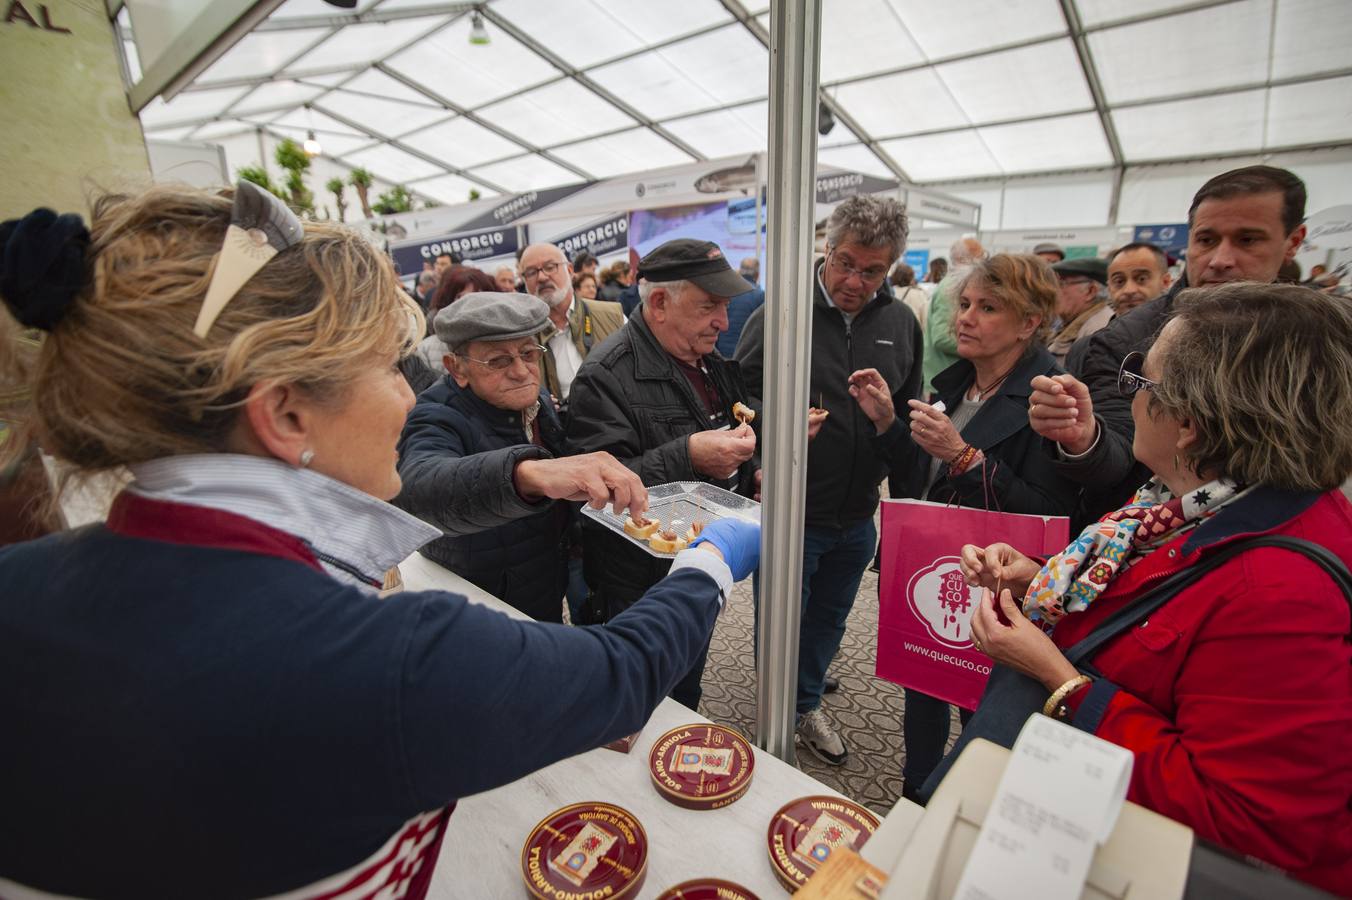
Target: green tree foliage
259	176
335	186
396	200
293	158
361	180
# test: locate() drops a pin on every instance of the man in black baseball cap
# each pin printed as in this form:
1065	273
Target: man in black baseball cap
700	262
659	397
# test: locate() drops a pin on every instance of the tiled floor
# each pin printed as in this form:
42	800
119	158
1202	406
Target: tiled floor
866	711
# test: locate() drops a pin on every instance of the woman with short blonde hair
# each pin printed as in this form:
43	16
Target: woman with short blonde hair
205	695
1024	283
975	448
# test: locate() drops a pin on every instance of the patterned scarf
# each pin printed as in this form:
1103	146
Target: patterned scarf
1075	577
528	418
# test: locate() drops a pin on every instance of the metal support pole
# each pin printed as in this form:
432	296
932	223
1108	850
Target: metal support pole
795	27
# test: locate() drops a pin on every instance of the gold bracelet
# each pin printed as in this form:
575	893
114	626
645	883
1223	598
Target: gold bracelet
1061	693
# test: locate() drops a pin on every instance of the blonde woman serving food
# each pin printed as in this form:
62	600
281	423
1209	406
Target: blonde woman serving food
205	696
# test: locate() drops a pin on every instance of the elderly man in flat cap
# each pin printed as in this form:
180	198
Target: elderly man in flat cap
479	458
659	396
1049	253
1081	303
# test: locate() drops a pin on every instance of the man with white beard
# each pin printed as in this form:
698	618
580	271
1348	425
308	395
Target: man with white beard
577	327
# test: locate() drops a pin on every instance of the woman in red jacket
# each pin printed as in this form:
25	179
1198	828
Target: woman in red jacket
1236	695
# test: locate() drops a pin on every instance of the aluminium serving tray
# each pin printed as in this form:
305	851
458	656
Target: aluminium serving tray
678	504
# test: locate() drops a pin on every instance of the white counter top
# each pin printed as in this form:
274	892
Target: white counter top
481	855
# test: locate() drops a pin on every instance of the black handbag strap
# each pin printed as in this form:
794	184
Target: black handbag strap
1134	613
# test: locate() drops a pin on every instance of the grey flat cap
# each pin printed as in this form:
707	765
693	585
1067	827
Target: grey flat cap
490	316
1084	267
1049	248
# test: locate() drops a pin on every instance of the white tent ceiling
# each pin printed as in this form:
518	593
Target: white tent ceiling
925	90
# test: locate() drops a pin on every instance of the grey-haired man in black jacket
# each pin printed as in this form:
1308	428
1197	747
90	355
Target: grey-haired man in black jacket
856	324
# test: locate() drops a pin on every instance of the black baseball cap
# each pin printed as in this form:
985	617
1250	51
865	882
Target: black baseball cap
686	259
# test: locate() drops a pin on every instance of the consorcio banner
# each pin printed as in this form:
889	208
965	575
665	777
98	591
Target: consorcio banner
484	243
598	238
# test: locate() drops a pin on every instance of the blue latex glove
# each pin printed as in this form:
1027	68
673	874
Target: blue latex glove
738	541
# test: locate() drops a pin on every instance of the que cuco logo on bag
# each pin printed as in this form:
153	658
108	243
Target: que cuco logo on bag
941	599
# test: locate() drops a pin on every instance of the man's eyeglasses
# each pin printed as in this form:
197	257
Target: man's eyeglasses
1129	377
503	361
872	274
533	272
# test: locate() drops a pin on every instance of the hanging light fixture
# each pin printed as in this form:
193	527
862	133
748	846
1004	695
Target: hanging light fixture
825	119
312	147
478	34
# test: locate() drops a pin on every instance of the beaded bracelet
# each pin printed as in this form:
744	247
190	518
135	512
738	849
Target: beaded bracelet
962	461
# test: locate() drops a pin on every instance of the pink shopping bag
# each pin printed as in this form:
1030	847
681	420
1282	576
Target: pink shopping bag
925	607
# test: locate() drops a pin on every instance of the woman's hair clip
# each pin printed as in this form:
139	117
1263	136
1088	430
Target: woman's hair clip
44	266
261	226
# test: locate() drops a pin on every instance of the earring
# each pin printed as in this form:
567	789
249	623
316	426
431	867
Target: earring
306	457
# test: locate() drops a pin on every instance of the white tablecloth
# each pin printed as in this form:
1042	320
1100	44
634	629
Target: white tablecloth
481	857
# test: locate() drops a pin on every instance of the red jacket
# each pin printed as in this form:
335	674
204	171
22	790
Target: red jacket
1236	696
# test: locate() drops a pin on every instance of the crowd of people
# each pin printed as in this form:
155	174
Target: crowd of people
226	619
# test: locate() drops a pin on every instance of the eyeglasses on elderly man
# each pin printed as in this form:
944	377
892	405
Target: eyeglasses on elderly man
501	362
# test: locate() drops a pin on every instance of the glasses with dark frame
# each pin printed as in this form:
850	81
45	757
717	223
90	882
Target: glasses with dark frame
1129	377
503	361
548	268
869	276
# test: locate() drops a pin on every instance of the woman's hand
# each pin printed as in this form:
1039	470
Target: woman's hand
1021	645
998	566
869	389
934	432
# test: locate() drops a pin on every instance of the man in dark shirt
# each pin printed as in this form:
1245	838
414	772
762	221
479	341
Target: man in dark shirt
1243	225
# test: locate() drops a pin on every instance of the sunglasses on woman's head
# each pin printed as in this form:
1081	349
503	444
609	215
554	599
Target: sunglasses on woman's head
1129	377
